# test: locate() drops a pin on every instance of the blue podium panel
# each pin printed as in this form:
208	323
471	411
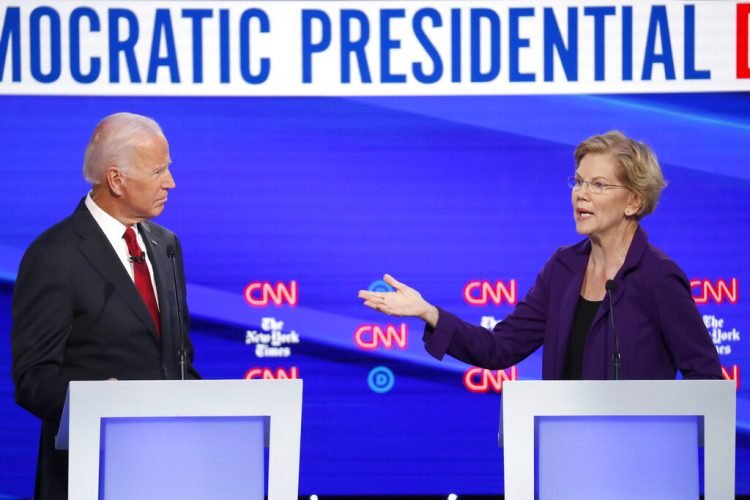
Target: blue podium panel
182	457
618	457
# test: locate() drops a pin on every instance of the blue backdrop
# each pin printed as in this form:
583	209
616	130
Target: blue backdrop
333	192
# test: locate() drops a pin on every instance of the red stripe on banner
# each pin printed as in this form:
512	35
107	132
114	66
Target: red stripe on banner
743	64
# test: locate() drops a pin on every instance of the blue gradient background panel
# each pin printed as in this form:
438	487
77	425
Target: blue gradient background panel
334	192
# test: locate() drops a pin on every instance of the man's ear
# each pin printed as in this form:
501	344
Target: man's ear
115	179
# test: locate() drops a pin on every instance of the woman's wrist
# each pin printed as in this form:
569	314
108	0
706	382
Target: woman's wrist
430	316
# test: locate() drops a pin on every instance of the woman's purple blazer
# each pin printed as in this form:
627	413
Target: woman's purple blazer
658	325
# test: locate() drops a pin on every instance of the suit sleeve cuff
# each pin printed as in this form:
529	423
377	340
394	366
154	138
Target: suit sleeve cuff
437	340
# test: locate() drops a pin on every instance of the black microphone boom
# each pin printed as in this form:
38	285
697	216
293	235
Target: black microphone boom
171	252
610	286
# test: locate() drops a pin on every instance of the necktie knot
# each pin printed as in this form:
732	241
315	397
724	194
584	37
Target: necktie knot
129	236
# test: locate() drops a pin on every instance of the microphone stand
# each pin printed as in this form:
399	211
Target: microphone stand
616	358
181	356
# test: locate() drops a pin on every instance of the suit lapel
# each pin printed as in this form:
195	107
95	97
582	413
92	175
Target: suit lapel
567	310
99	252
575	263
157	243
156	248
635	252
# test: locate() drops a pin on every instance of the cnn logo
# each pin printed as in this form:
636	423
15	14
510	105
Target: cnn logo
369	337
722	290
264	293
480	380
269	374
731	373
483	292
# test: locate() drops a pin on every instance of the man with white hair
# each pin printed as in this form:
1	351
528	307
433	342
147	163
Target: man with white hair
95	296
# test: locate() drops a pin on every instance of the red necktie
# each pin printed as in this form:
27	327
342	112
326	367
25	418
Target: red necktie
142	276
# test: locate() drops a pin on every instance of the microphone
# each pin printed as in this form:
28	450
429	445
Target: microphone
171	252
610	286
137	259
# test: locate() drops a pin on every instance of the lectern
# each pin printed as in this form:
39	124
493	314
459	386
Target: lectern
618	439
177	439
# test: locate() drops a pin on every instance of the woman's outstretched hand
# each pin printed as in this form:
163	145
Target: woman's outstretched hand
405	301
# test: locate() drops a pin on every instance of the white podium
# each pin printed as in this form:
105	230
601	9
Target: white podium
618	439
182	439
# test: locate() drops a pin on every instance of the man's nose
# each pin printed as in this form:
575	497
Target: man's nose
169	181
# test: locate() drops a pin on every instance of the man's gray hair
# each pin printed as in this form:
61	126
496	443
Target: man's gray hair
113	143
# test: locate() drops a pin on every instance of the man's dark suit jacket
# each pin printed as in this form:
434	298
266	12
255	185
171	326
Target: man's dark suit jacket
77	315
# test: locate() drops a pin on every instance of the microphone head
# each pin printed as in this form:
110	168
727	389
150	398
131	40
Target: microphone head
171	252
610	285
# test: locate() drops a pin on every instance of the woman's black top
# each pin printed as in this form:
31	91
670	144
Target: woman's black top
584	316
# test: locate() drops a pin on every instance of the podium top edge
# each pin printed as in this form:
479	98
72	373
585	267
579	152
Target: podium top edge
622	382
194	382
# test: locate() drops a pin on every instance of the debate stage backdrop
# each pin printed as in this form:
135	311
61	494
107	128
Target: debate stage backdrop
287	205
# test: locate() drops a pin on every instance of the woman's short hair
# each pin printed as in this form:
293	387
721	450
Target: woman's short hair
639	168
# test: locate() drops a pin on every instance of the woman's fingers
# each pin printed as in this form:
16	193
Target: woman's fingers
371	296
393	282
402	302
371	305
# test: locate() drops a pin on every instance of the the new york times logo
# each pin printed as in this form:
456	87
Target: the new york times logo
722	336
271	342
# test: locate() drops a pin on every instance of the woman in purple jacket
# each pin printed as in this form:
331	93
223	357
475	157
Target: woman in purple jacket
617	182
